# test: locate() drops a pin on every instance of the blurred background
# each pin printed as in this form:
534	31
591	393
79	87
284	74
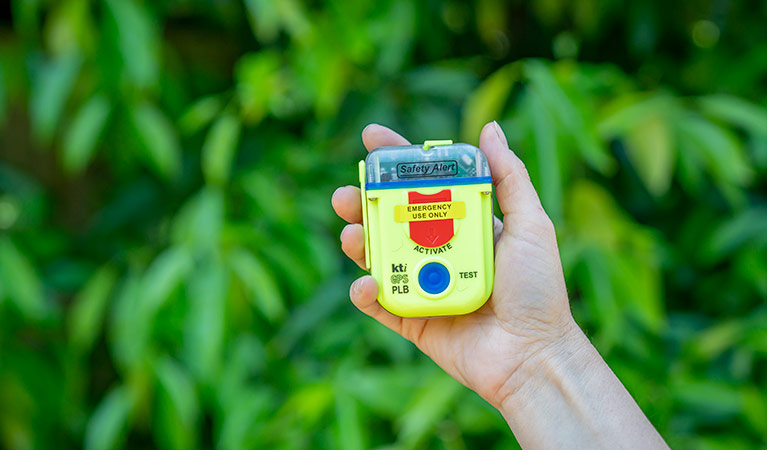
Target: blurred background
170	271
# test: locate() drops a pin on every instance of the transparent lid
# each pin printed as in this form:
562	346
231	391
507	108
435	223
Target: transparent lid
417	162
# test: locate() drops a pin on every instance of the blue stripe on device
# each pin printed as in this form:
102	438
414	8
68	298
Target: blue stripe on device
427	183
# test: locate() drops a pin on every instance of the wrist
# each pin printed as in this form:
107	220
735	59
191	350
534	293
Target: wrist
568	350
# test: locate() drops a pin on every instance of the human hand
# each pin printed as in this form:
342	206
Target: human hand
528	313
522	351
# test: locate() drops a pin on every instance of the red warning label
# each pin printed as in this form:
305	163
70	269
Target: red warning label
431	233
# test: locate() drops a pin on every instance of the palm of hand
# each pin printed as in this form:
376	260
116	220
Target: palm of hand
528	308
482	349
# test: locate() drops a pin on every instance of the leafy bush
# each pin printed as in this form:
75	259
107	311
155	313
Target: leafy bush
169	268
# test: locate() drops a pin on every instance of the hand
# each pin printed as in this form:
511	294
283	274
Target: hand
522	351
528	312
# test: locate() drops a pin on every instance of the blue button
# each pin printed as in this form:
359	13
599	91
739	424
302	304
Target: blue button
434	278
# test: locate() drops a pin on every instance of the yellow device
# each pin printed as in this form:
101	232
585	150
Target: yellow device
428	217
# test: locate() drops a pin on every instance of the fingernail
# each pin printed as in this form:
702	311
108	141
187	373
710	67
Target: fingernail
369	125
356	286
342	233
499	132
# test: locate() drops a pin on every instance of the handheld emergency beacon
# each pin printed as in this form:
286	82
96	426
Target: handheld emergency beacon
428	218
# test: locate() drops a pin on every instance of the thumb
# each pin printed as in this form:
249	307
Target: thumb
516	194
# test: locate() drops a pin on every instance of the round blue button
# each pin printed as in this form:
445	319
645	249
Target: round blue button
434	278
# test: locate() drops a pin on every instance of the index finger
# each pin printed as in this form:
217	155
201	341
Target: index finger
346	200
374	136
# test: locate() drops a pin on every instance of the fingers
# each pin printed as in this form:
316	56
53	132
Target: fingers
497	229
364	294
348	204
374	136
346	200
516	194
353	243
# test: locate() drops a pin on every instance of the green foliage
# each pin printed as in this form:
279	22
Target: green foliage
169	266
84	133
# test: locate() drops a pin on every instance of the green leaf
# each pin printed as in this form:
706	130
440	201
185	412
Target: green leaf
245	418
21	284
199	114
722	152
246	357
87	311
431	405
176	423
548	163
628	110
84	133
165	273
399	39
351	429
50	91
258	82
491	19
125	327
567	116
691	169
486	103
268	17
599	294
3	94
308	403
276	204
712	342
140	299
637	281
219	149
616	262
751	264
205	324
592	214
477	416
138	41
264	17
716	398
749	226
158	139
651	151
755	408
328	297
757	339
736	111
440	82
198	223
108	426
69	28
373	386
759	151
26	17
263	291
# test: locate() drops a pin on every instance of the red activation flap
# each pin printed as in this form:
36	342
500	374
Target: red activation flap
431	233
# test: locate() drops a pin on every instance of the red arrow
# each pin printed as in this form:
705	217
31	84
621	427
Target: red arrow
432	235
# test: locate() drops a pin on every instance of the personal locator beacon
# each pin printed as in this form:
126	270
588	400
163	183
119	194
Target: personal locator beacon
428	219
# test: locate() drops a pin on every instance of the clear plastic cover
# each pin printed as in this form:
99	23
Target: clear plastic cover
413	162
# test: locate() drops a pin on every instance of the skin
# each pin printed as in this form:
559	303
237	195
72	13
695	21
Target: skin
522	351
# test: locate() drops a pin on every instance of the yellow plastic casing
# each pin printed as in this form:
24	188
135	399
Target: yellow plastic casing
395	259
